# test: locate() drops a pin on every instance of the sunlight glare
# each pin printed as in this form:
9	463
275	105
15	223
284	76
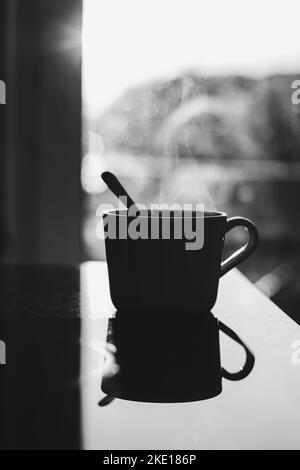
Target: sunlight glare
127	43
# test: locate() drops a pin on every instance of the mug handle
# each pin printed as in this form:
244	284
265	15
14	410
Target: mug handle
250	359
240	255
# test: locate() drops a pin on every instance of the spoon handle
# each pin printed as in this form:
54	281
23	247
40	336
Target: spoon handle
115	186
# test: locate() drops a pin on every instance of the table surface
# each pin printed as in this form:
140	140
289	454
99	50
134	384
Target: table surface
54	323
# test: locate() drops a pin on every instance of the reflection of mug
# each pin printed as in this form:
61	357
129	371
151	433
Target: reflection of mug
173	360
161	275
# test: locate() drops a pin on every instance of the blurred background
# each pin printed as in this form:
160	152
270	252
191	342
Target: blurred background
186	101
190	101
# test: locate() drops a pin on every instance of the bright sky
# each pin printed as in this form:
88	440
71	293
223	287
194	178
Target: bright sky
126	42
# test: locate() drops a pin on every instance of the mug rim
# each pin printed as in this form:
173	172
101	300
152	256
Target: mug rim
194	214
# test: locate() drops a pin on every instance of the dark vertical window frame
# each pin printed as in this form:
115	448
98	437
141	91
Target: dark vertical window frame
43	145
26	73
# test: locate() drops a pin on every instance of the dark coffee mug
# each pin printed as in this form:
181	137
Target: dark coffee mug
157	275
173	360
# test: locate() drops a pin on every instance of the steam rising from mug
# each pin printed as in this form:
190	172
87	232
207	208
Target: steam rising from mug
185	185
